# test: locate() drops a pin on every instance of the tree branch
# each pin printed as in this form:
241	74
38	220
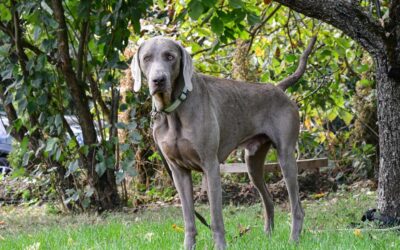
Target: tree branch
82	42
210	48
97	97
255	31
346	16
6	29
26	44
77	92
293	78
22	58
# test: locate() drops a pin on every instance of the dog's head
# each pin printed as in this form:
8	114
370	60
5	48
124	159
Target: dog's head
163	62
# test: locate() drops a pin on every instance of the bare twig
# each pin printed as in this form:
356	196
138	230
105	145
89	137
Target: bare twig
84	34
207	49
255	31
6	30
97	97
22	58
288	32
322	83
342	14
114	113
378	8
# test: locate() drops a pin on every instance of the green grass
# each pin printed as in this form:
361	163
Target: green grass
329	224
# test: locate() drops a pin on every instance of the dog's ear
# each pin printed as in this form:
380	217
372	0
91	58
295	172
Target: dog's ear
136	72
187	68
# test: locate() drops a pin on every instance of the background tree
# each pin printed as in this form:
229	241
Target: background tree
360	20
61	60
88	72
380	36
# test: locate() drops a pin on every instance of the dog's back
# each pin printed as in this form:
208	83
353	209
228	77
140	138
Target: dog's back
246	110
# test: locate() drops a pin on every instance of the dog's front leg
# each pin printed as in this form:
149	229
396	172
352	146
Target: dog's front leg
183	183
215	198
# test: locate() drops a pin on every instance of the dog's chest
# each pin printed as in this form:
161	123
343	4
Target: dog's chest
178	149
182	153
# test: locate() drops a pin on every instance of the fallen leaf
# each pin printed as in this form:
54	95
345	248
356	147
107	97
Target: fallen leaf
70	241
243	230
318	196
357	232
2	222
149	236
177	228
34	246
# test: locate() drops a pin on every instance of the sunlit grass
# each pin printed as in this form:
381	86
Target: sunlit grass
329	224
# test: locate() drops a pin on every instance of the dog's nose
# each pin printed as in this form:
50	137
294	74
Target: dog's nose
160	80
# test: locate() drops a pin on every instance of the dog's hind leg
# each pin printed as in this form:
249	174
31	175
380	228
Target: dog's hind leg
255	163
289	169
215	199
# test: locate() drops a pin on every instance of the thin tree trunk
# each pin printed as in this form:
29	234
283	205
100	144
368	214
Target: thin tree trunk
389	141
105	186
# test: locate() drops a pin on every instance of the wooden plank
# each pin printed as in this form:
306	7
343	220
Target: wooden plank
301	164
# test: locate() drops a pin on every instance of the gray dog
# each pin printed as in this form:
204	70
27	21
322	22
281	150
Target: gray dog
199	120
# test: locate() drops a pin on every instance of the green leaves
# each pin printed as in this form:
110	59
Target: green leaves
47	8
236	4
72	167
346	116
4	49
5	14
51	145
217	26
101	168
253	18
195	9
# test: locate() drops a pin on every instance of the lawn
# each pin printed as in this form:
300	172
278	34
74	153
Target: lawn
330	223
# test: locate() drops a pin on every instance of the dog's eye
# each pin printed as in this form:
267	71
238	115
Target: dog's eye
170	57
147	58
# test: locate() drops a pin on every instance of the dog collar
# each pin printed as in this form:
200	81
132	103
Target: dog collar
182	97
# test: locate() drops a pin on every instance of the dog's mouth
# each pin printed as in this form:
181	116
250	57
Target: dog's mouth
163	89
157	91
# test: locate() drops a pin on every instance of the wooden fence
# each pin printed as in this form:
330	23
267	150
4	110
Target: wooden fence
309	164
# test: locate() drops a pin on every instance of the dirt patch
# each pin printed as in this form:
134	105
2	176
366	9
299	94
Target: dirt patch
310	183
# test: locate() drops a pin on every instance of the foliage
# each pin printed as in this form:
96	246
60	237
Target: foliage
36	83
82	156
276	37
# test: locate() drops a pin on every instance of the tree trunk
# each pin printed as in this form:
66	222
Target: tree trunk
382	41
389	141
106	190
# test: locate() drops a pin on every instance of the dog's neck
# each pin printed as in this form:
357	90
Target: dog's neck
162	100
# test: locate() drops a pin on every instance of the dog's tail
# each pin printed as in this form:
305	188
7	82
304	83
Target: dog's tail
293	78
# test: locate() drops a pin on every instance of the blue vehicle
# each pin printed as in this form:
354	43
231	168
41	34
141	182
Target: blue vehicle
6	139
5	145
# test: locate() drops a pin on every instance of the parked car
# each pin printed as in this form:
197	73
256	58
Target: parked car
6	139
5	145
